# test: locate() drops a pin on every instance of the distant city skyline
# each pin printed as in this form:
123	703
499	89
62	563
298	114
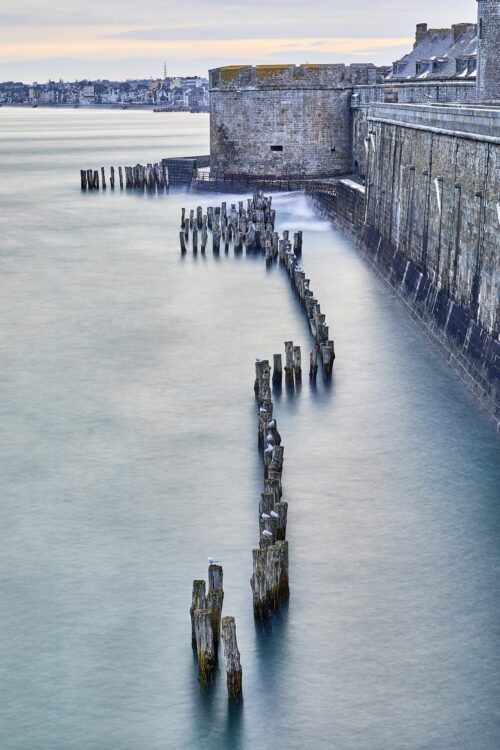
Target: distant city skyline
76	41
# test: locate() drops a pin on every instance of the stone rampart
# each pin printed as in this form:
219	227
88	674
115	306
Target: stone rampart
402	93
283	119
429	223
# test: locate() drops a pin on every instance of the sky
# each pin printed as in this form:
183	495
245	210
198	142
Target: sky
133	38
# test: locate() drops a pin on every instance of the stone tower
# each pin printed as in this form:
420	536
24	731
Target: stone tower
488	50
279	120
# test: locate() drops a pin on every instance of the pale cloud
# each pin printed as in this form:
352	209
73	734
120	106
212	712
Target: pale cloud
195	35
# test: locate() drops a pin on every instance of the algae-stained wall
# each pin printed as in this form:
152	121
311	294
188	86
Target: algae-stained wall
281	120
434	195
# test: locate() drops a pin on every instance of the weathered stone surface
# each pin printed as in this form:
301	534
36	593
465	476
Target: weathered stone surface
280	120
430	224
488	44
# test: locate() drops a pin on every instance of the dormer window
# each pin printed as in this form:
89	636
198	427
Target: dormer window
422	66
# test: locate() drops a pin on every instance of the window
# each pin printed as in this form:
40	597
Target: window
276	148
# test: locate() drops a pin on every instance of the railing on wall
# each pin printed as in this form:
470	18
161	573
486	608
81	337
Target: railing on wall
204	179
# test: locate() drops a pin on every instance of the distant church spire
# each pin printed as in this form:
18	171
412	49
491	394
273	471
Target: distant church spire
164	70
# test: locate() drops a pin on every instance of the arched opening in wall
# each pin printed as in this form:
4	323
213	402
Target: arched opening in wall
356	167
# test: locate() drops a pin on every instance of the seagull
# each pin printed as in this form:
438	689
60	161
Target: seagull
212	560
265	515
267	533
274	514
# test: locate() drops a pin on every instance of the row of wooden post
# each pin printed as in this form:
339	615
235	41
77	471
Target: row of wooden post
207	628
152	178
269	581
322	344
253	227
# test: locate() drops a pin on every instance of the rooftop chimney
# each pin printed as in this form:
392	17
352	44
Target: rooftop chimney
420	33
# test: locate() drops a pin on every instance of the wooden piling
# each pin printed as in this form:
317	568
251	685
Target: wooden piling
313	367
289	362
83	179
103	176
205	645
204	238
232	657
277	369
112	177
183	217
198	601
297	365
182	241
120	177
281	509
258	584
215	599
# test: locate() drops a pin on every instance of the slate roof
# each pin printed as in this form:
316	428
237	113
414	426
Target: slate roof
435	55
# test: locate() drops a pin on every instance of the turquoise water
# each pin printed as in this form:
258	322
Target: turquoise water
128	444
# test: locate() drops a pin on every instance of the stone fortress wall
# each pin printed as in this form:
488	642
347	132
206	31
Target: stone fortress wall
426	147
283	119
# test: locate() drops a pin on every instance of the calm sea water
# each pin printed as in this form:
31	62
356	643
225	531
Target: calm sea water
128	447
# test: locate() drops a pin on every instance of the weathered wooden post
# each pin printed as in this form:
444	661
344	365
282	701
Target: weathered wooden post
198	602
191	218
215	600
183	217
216	240
272	432
277	369
258	584
199	216
204	238
281	510
112	177
103	175
328	355
120	176
232	656
205	647
297	365
313	368
195	239
96	179
266	503
289	362
182	241
83	179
